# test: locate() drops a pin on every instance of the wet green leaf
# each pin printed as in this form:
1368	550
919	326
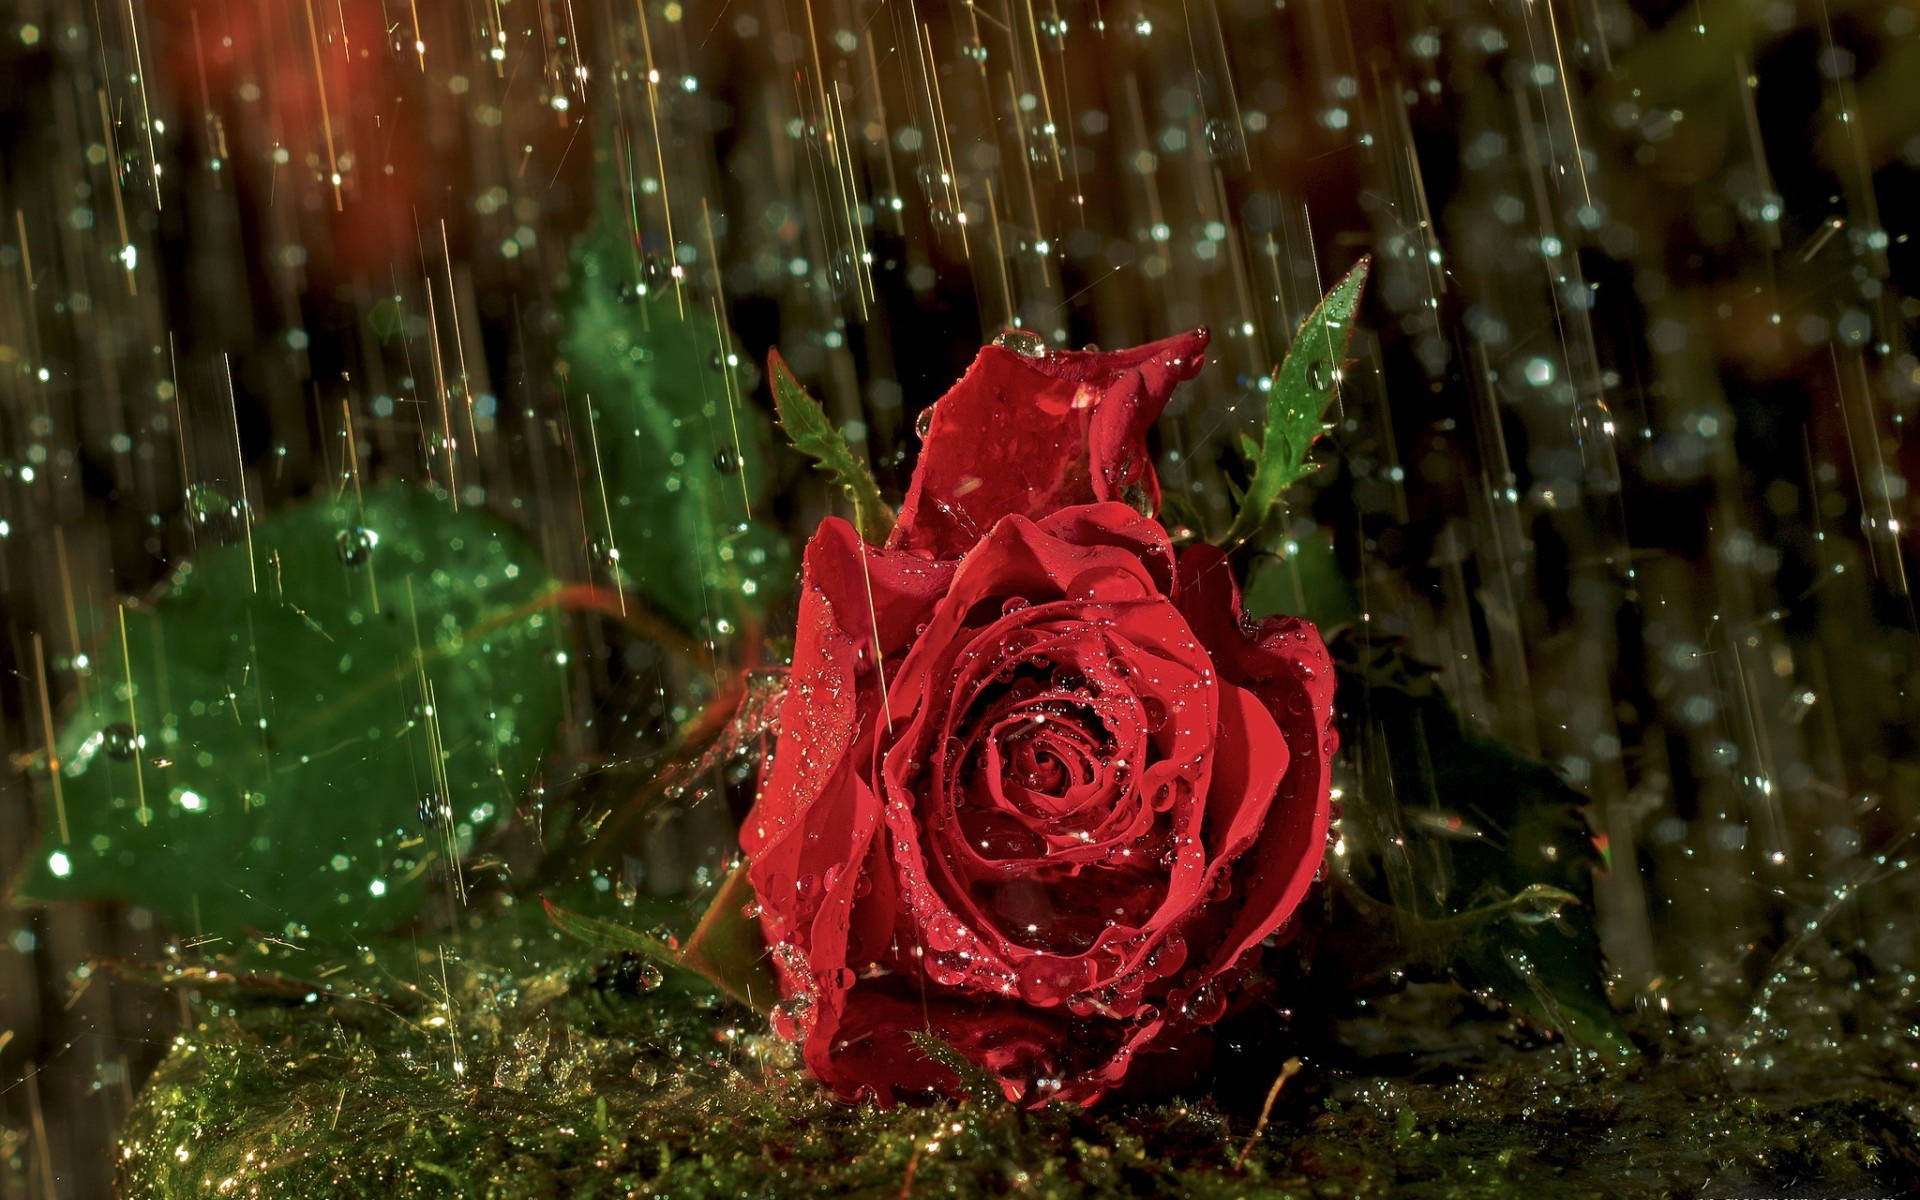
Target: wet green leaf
308	721
811	433
1303	387
1479	856
671	448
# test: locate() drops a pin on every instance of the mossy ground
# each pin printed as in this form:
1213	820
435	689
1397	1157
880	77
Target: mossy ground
441	1072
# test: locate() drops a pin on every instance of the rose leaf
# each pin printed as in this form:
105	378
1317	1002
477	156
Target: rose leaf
1480	856
813	435
307	720
1303	386
670	448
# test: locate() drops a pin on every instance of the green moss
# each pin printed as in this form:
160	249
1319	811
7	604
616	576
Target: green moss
573	1076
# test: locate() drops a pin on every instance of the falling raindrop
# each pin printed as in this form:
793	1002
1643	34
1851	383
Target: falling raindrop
119	741
356	545
1222	140
212	514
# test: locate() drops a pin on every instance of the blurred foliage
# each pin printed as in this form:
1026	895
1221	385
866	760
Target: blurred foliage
1478	860
308	719
671	451
1685	67
1302	578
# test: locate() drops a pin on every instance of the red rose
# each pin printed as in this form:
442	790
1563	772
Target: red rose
1039	788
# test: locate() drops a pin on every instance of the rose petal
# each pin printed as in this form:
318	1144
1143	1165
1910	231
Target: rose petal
844	584
1284	663
1059	429
939	864
1250	758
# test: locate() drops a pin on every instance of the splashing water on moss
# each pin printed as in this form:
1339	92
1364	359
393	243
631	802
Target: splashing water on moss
438	1071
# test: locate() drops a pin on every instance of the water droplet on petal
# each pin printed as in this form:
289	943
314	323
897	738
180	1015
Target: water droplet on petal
1024	342
1207	1003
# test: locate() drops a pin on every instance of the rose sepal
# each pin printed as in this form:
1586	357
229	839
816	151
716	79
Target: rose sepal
811	433
725	948
1304	384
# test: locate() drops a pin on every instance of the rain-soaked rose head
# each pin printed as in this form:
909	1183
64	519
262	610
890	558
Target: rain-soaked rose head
1039	788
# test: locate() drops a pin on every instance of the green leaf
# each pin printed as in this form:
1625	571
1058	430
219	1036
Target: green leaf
1480	856
725	949
671	449
811	433
1302	389
307	720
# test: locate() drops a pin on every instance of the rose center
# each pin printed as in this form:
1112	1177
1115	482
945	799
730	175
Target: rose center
1046	754
1055	750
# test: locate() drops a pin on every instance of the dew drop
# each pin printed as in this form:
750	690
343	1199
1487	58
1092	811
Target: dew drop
948	968
1155	712
643	976
1168	956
